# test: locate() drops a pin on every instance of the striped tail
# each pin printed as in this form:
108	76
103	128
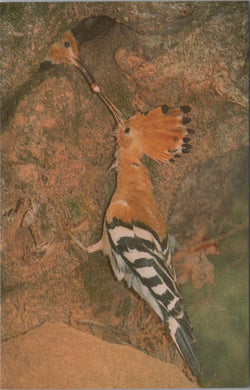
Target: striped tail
182	334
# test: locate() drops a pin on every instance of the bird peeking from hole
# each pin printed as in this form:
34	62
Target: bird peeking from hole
134	233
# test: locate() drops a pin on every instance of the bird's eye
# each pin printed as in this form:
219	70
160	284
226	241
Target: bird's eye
127	130
66	44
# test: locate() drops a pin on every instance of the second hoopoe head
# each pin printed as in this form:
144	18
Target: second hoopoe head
65	51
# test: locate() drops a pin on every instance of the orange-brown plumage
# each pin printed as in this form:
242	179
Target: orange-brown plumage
64	50
156	134
133	199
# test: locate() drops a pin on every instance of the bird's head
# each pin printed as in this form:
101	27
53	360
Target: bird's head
64	50
159	134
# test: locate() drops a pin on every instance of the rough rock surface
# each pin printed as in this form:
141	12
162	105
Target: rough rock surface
56	356
57	145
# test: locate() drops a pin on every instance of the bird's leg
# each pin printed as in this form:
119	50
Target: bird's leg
98	246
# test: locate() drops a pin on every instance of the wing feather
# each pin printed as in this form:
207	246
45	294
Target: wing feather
143	255
144	262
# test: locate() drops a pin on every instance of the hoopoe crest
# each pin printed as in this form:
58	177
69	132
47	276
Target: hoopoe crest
159	134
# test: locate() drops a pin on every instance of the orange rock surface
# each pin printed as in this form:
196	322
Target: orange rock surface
57	356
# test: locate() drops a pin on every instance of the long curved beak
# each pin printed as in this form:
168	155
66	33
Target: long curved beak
80	64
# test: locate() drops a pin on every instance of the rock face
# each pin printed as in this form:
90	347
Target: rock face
57	145
56	356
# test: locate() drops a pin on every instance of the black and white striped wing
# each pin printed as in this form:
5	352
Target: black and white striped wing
138	257
146	265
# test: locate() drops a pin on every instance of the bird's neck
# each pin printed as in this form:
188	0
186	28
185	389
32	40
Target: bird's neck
133	199
133	178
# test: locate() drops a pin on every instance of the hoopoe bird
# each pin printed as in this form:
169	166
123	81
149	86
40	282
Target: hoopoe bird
134	234
65	51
